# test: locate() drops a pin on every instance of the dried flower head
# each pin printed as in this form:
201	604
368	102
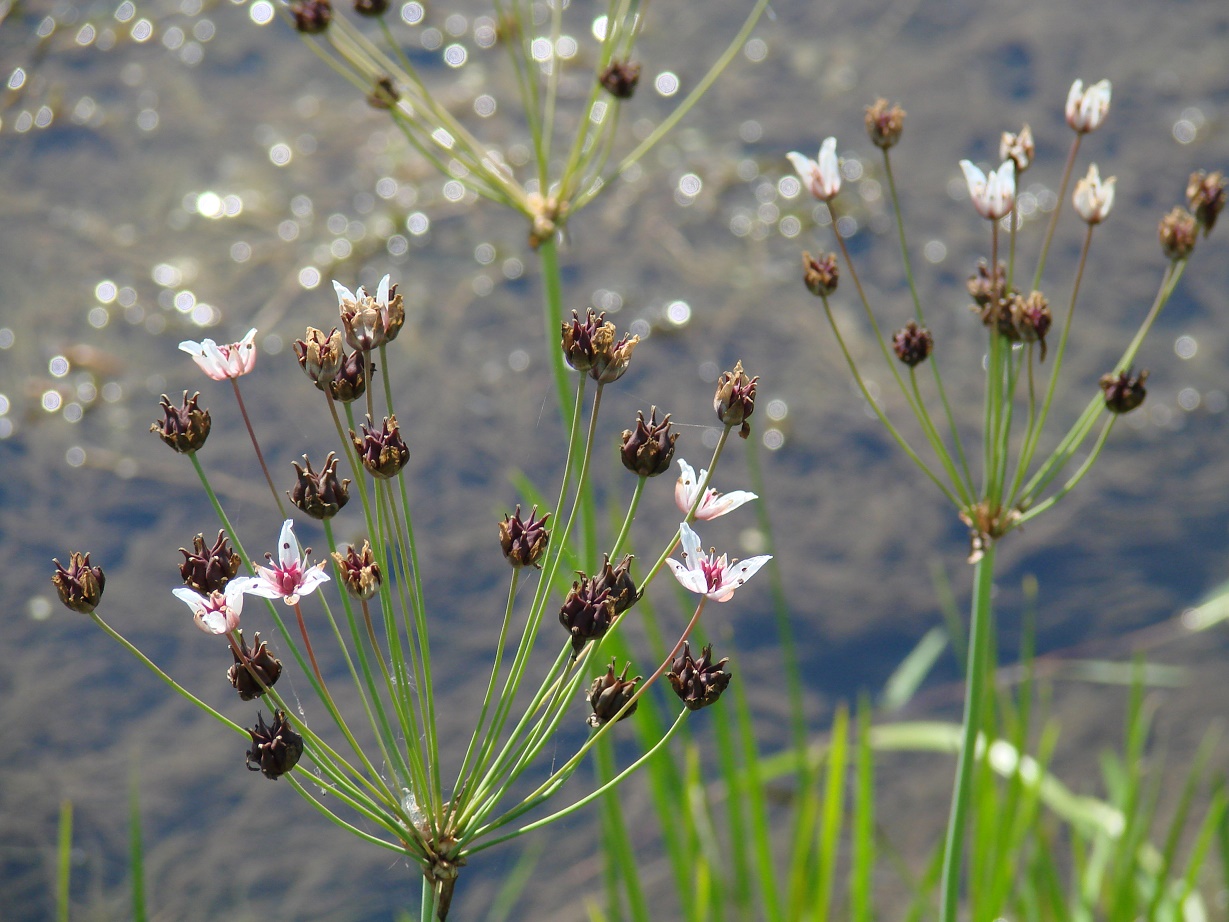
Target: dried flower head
319	495
1018	148
184	428
79	585
698	682
370	321
1123	391
276	749
1087	108
587	611
648	449
884	123
1205	194
590	346
255	670
221	362
524	540
1031	318
734	401
320	355
1178	231
209	569
382	451
913	344
619	78
986	289
311	17
610	693
1093	198
360	573
820	273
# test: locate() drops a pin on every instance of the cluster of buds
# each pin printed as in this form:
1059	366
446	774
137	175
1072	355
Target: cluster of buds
340	374
820	273
79	585
1205	196
275	749
1018	148
383	451
255	671
591	347
360	573
619	78
1123	391
311	17
186	427
593	603
320	495
884	123
648	449
610	693
698	682
913	344
734	401
524	540
209	569
1016	317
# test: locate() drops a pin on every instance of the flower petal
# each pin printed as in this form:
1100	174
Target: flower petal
344	294
288	550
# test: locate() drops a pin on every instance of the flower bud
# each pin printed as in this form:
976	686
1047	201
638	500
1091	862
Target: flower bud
311	17
383	93
1178	232
984	289
371	7
1093	198
698	682
184	428
1205	194
1123	391
320	495
252	668
734	401
913	344
359	571
618	582
320	356
587	612
79	585
619	79
820	273
208	570
383	452
884	123
524	540
609	693
649	449
276	749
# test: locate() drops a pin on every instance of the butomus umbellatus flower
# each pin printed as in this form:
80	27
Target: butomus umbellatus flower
290	576
710	575
222	362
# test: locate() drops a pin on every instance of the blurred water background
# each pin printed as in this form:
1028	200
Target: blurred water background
174	169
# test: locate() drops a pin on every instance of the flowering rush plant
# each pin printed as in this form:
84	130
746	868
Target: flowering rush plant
377	770
1017	480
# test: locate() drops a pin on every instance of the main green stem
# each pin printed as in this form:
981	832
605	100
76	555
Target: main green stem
975	680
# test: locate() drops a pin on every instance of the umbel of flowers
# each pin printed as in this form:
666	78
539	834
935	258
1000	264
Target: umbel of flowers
364	607
1018	480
